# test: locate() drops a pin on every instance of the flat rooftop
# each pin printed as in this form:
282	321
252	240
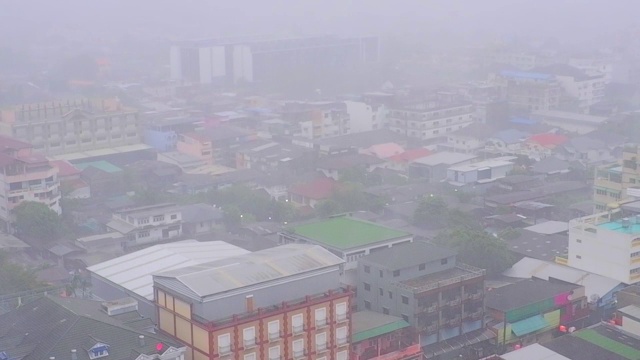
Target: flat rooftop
597	343
632	226
442	278
525	293
346	233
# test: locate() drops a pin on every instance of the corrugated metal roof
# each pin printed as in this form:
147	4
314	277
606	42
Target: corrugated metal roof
593	284
533	352
369	324
245	270
134	271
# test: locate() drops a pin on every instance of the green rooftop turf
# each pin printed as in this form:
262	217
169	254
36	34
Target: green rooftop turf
380	330
101	164
613	346
346	233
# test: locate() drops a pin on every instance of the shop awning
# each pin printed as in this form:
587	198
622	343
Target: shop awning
529	325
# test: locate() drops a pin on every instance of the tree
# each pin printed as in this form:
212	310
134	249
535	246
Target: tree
15	278
431	211
478	248
36	221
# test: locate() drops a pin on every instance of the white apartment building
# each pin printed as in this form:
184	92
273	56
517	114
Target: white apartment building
606	244
584	89
426	123
366	117
71	126
25	176
147	224
318	119
481	172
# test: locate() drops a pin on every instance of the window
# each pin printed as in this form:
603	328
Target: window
342	355
341	311
321	317
321	341
297	323
174	216
249	336
578	257
143	234
405	300
421	267
444	261
390	295
385	311
579	241
396	273
381	291
367	305
341	335
367	287
298	348
274	352
158	218
381	274
251	356
635	254
224	344
635	271
405	317
274	329
367	269
143	221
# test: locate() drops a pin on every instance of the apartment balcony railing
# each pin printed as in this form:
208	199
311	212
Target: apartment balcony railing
321	322
224	349
297	329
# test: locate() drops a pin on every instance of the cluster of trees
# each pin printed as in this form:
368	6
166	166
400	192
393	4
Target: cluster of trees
15	278
349	197
466	234
38	223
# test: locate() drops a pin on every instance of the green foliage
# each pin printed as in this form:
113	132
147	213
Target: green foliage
509	233
349	197
15	278
478	248
35	221
431	211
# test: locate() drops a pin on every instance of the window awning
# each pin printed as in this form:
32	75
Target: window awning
529	325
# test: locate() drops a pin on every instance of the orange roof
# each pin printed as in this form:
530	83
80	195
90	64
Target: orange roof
411	155
65	168
549	140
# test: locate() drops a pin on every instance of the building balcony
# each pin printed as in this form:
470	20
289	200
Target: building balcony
321	323
341	317
453	322
298	329
223	350
635	260
299	354
430	309
431	328
249	343
274	335
342	341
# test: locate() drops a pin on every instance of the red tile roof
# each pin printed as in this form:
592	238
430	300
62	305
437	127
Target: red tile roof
7	142
549	139
318	189
411	155
65	168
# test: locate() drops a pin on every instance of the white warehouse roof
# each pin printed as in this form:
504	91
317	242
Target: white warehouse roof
223	275
134	271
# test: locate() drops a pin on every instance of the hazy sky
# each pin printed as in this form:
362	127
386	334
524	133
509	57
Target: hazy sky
436	20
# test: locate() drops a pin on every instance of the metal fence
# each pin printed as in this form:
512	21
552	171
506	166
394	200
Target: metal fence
13	301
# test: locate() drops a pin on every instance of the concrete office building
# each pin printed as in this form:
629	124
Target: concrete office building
607	244
424	122
281	303
613	182
70	126
426	286
262	59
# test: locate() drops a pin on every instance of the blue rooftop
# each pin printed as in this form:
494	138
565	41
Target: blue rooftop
632	228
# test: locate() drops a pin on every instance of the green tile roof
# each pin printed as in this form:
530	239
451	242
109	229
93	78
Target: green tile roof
380	330
346	233
102	165
611	345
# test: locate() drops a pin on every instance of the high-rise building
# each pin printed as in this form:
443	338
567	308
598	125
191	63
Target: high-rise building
280	303
261	59
64	127
25	176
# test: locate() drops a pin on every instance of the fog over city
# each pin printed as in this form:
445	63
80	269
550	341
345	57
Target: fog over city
319	180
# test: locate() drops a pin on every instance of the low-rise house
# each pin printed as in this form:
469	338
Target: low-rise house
53	327
506	141
147	224
540	146
313	192
433	168
334	166
532	310
346	237
518	182
469	139
200	218
383	151
548	190
551	166
587	150
103	177
480	172
379	336
402	161
266	155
